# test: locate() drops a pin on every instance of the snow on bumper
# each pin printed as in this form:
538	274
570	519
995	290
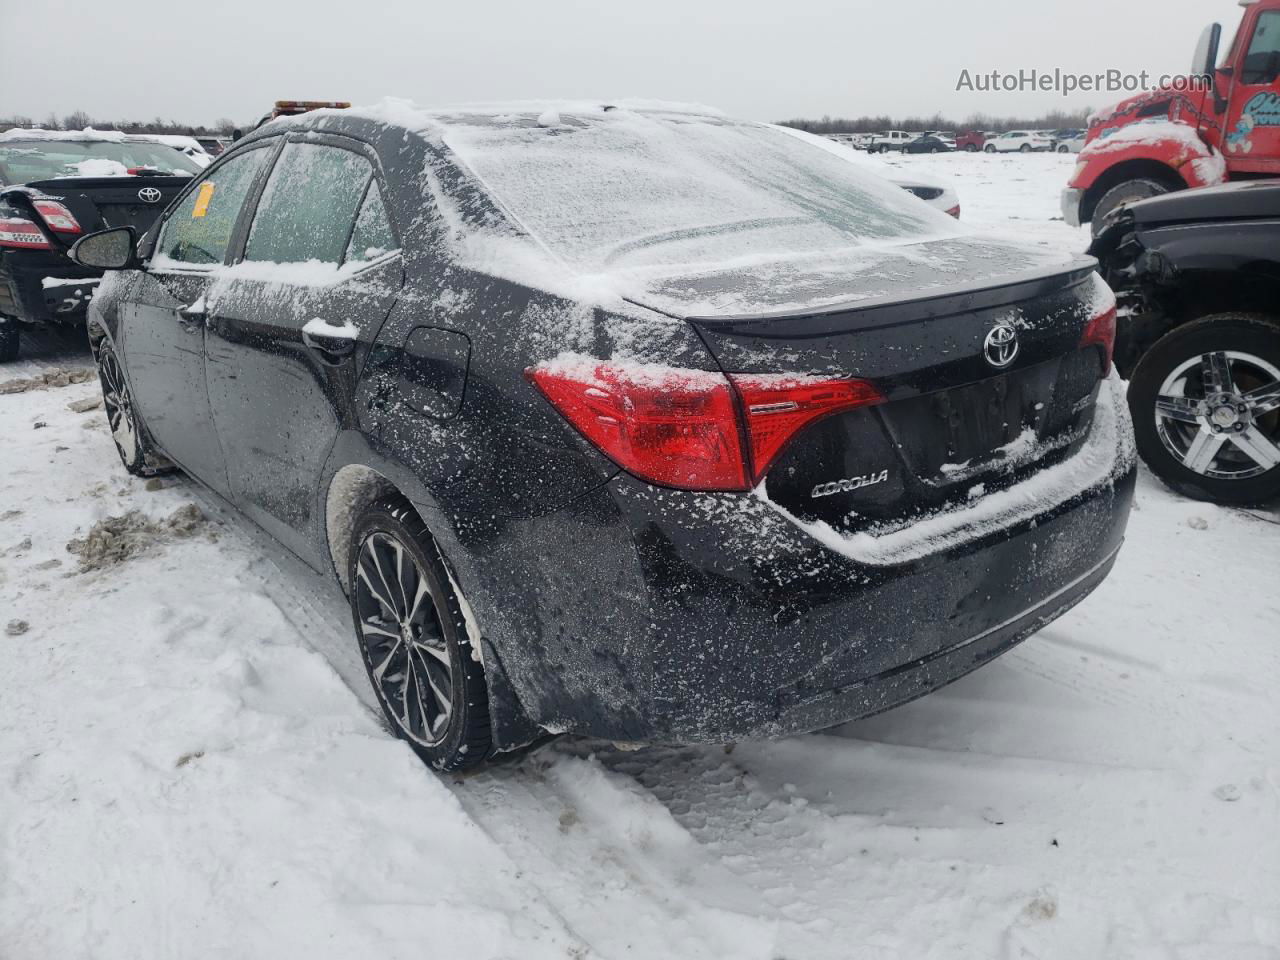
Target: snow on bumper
1108	452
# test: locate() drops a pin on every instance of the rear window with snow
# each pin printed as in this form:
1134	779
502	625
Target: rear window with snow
24	161
624	188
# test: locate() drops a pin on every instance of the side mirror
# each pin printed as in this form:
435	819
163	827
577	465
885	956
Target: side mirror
1205	59
115	249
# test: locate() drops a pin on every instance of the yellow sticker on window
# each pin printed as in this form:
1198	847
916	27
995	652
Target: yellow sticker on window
203	196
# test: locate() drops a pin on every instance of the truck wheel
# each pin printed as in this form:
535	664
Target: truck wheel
971	148
8	339
1205	401
1127	192
414	638
989	148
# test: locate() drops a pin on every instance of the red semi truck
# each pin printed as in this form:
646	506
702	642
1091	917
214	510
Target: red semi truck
1219	123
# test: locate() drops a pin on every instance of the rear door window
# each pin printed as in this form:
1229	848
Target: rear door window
372	236
309	206
198	231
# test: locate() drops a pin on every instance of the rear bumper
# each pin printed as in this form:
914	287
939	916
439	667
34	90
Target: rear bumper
45	287
639	613
1070	201
908	681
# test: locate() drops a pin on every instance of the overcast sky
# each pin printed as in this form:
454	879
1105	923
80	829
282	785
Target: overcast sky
763	59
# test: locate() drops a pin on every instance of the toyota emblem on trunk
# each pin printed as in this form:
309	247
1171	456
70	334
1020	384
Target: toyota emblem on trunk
1001	345
148	194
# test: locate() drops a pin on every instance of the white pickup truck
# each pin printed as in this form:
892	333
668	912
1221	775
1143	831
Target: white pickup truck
890	140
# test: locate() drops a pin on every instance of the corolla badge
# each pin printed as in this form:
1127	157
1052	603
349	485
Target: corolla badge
149	195
848	484
1001	345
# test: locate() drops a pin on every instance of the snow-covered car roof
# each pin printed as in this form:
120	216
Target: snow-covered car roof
87	135
677	207
175	140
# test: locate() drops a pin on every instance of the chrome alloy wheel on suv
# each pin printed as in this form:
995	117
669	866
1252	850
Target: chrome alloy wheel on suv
1206	408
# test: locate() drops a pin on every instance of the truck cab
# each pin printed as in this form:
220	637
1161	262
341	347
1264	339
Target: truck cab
893	140
1220	122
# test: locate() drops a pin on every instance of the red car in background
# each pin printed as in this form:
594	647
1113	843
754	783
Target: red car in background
971	140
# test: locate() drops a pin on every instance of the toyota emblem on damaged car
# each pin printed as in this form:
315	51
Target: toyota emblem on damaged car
1001	345
149	195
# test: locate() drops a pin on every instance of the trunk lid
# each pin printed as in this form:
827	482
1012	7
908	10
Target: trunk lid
953	426
99	203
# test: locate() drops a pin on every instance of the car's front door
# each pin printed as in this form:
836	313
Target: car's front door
290	325
162	322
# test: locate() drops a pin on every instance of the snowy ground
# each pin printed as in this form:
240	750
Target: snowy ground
190	765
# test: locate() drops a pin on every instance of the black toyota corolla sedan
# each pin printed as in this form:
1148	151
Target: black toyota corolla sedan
634	422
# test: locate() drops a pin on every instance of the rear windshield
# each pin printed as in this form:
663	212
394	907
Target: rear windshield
621	188
22	161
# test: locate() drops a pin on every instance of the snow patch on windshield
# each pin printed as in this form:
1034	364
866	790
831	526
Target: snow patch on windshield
95	167
1107	454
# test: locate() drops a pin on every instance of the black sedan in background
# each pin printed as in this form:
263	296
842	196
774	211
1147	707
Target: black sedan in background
930	143
637	423
57	186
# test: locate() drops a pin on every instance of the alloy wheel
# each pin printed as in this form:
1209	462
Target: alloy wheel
119	407
1218	414
403	640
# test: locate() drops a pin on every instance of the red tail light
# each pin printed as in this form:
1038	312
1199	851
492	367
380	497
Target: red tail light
1101	331
57	217
778	406
673	427
682	428
18	233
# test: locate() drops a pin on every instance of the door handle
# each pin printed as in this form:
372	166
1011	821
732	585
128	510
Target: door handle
333	343
192	316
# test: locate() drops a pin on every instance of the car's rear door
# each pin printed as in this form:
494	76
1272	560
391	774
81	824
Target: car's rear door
290	325
162	320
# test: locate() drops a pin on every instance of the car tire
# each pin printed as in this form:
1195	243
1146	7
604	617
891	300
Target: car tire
1183	429
9	337
1129	191
933	149
1025	148
989	149
1063	148
137	452
970	148
414	638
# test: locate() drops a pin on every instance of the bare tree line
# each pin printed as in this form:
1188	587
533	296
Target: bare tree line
1054	120
79	120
